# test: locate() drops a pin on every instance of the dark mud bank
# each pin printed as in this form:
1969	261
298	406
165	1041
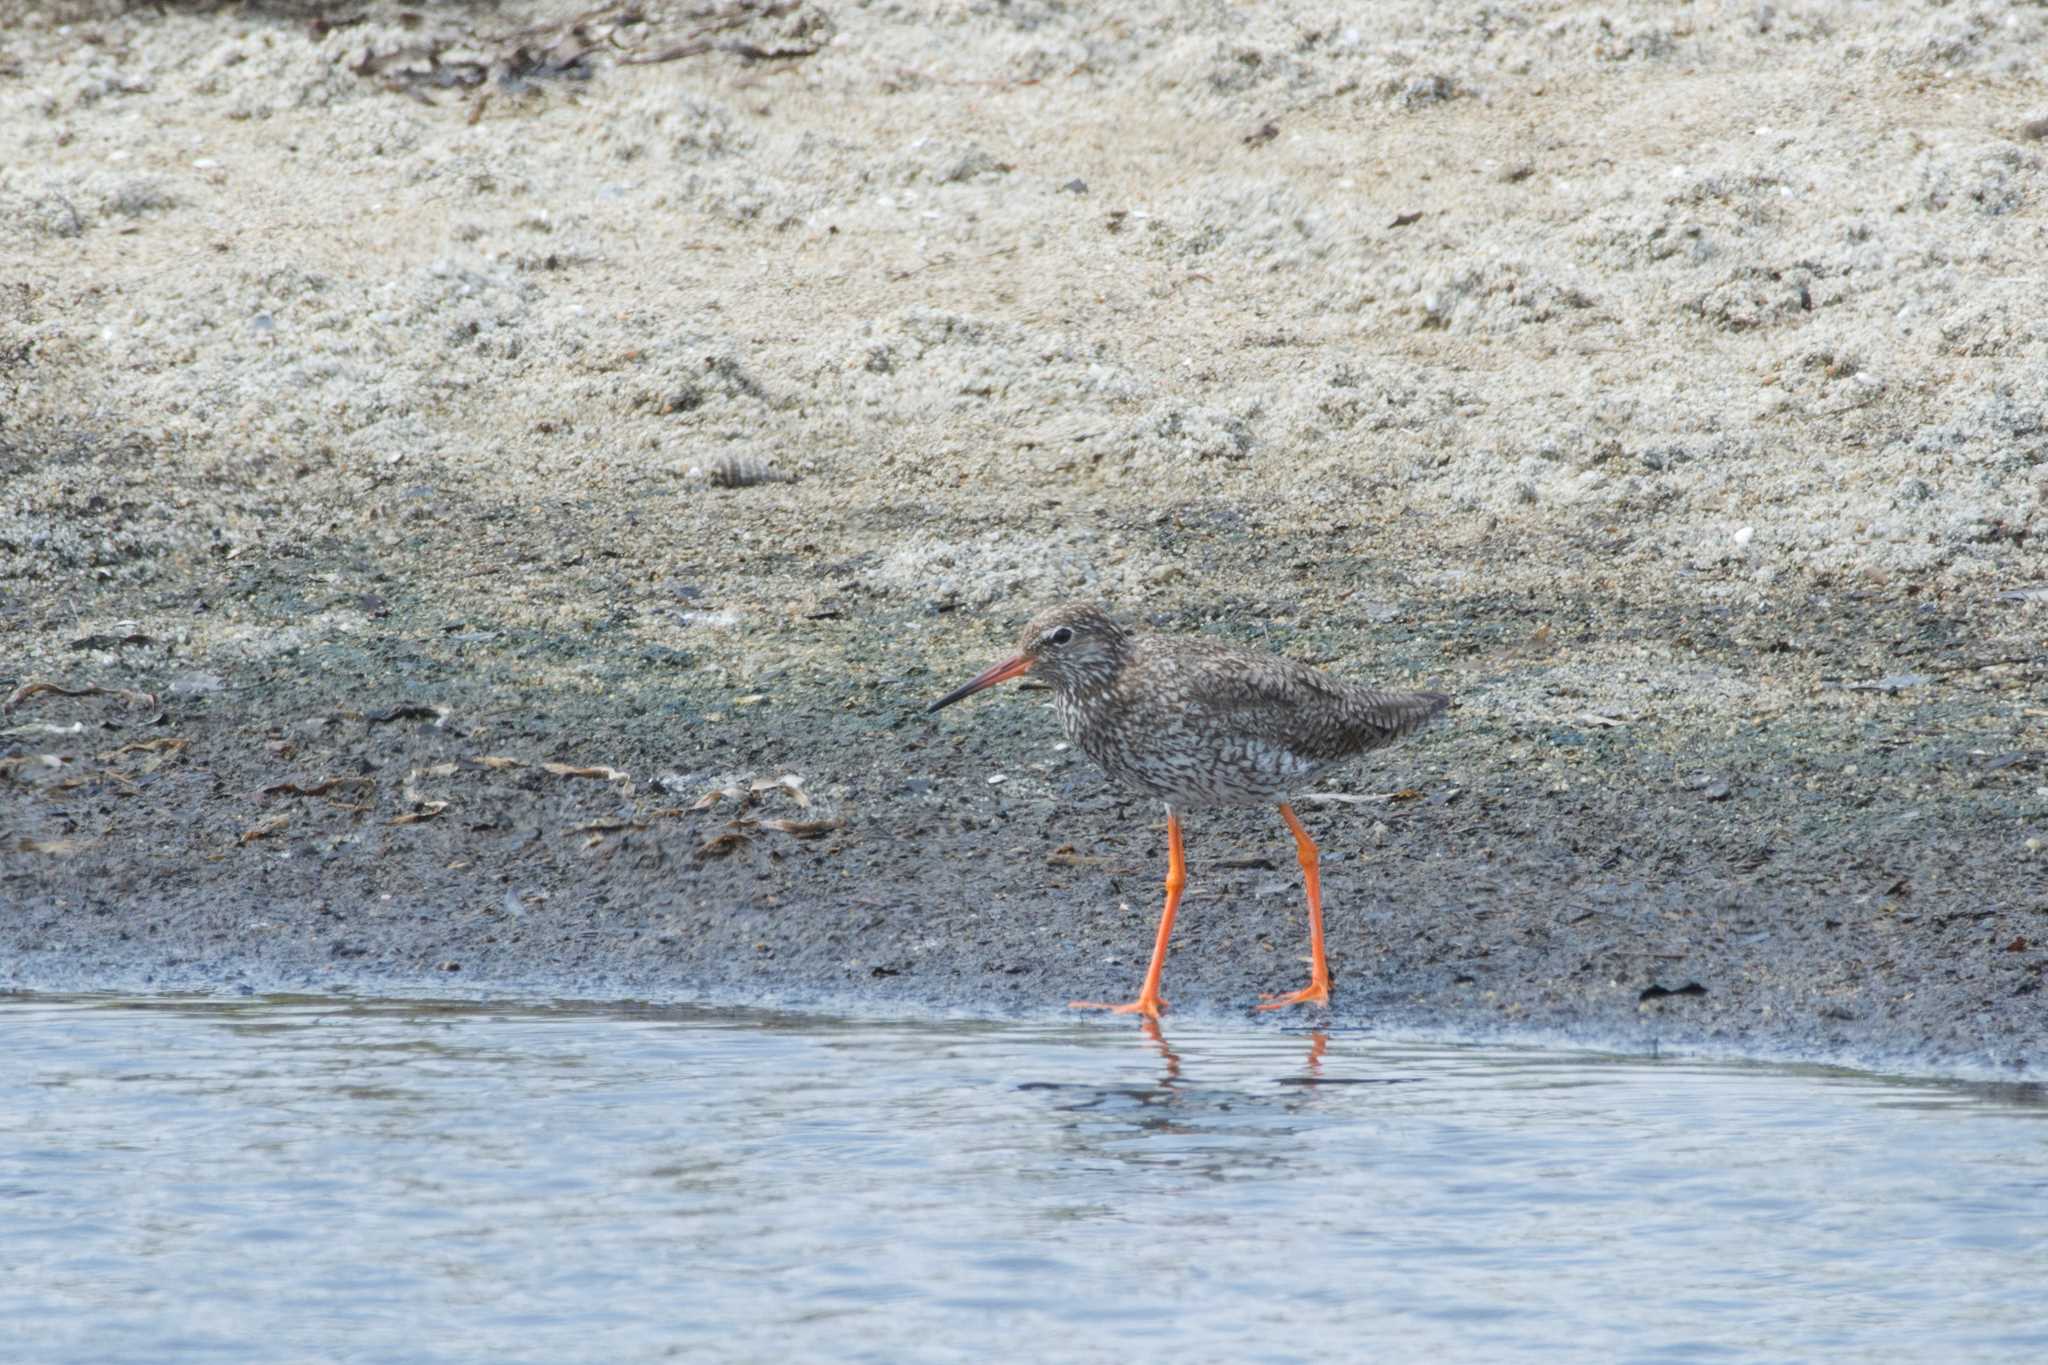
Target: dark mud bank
1842	883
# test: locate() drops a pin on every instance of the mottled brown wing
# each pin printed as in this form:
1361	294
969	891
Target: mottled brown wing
1294	707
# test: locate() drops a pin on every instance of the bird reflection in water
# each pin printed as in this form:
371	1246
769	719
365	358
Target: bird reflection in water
1179	1104
1312	1063
1199	1116
1157	1037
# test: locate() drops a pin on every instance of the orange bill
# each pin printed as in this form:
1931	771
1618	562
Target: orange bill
1002	672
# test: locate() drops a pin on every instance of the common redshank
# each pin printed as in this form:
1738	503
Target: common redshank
1197	723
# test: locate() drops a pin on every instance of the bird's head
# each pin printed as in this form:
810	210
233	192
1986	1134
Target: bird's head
1074	646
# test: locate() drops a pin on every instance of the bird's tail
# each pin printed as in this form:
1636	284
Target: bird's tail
1390	715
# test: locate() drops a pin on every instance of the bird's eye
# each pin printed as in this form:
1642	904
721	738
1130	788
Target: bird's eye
1064	635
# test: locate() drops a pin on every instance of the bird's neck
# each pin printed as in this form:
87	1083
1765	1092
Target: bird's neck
1080	710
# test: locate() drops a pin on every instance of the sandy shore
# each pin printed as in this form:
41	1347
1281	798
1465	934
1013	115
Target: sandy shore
1669	384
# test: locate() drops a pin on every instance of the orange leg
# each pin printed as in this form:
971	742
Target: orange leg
1148	1002
1317	991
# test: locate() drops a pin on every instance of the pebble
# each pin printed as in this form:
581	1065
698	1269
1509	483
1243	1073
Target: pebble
736	472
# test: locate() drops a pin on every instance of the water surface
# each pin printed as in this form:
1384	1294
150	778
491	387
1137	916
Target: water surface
270	1180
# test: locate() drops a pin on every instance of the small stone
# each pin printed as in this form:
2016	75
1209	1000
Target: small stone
196	684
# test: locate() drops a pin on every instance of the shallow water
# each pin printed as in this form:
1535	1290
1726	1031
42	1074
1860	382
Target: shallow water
348	1180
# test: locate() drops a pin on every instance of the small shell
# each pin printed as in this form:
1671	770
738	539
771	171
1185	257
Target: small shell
736	472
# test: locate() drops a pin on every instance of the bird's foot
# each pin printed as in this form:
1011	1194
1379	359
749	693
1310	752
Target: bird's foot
1151	1006
1316	992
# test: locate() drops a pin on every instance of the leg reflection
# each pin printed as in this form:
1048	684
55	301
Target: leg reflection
1157	1038
1318	1044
